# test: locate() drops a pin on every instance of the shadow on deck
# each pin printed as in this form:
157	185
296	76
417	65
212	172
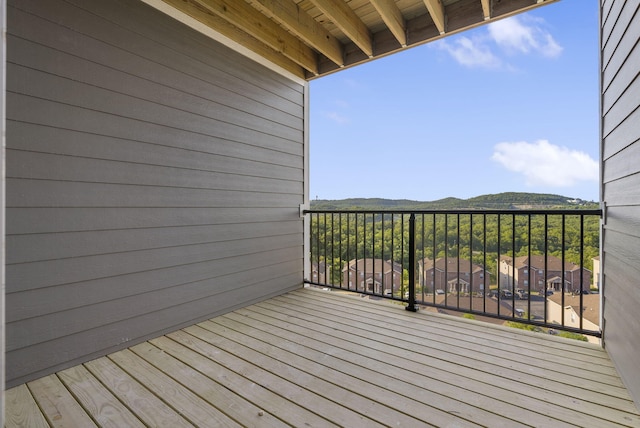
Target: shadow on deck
315	358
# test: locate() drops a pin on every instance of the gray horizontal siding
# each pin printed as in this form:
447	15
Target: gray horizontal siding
86	317
108	338
620	58
622	164
56	246
200	116
47	273
198	151
3	52
81	194
32	303
153	180
65	219
48	113
193	54
45	166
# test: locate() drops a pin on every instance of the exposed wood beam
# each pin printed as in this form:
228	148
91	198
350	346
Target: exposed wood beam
436	10
348	22
254	23
486	9
233	33
300	23
392	16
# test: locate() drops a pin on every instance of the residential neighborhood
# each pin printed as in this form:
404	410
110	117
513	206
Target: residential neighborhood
452	275
372	275
457	286
320	273
537	273
459	275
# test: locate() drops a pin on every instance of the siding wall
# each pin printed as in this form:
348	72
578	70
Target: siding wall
153	180
620	56
3	51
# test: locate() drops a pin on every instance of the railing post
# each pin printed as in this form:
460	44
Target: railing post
412	264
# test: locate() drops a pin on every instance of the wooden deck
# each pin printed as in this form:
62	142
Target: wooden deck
314	358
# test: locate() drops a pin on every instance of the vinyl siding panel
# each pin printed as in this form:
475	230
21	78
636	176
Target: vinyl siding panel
86	317
621	186
52	220
153	180
614	30
108	26
622	164
620	326
622	136
623	192
120	334
606	9
618	58
105	289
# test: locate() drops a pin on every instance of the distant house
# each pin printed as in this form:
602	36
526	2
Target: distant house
596	273
372	275
540	275
320	273
572	310
452	275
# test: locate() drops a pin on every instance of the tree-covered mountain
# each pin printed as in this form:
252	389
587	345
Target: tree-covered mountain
478	236
507	200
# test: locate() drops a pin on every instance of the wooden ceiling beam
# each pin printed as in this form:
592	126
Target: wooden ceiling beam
348	22
436	10
235	34
254	23
393	18
290	16
486	9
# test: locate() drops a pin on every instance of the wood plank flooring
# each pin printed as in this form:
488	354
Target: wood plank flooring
317	358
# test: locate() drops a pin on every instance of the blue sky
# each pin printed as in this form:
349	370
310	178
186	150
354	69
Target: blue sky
509	106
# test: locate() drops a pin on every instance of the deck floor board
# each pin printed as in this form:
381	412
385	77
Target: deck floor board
105	408
149	408
592	376
317	358
469	363
22	409
186	402
58	405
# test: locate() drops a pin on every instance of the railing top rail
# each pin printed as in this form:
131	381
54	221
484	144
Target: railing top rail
595	211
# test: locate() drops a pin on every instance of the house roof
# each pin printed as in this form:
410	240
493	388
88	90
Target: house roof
538	262
590	304
311	38
556	279
372	265
451	265
315	266
490	305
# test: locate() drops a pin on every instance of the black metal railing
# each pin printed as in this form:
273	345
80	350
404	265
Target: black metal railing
531	267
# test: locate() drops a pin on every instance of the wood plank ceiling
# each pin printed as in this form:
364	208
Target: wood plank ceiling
311	38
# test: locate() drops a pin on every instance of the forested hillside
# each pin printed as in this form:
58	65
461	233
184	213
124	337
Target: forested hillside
508	200
337	238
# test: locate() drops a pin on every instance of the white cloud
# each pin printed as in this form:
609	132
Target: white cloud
515	35
351	83
336	117
543	163
524	35
470	52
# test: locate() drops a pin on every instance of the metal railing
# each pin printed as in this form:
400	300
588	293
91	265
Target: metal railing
530	267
